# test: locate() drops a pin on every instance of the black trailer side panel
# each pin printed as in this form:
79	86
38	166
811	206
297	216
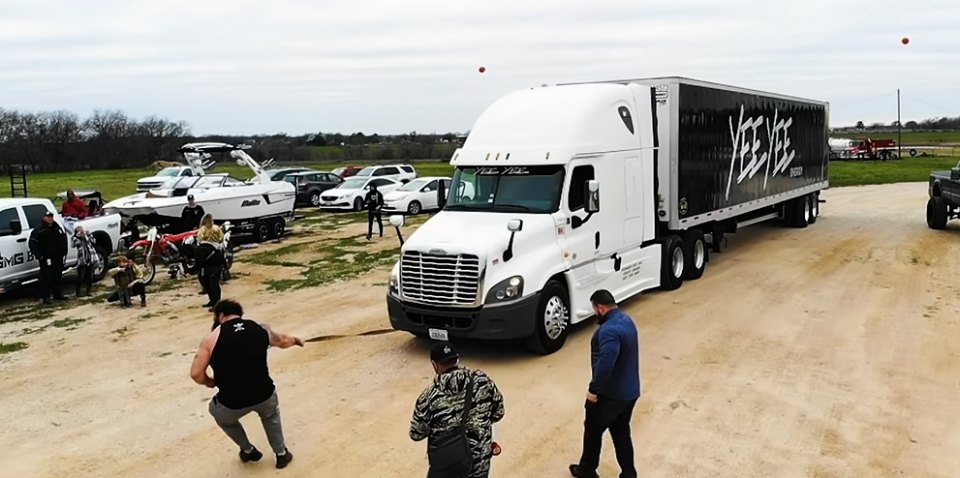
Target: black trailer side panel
736	147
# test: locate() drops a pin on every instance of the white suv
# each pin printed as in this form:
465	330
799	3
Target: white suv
400	172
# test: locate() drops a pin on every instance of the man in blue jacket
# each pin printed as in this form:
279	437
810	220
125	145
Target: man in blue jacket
614	390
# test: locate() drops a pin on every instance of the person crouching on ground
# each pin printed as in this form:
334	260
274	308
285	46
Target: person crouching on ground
87	260
128	278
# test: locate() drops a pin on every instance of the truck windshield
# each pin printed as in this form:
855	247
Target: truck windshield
534	189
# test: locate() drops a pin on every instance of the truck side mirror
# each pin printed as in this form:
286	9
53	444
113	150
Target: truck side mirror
396	221
955	174
15	227
513	225
592	196
441	195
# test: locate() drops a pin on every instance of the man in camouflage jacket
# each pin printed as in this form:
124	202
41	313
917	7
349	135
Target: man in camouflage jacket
440	406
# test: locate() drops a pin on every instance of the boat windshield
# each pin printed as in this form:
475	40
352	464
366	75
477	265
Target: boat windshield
532	189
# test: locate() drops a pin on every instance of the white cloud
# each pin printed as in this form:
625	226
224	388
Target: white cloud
388	66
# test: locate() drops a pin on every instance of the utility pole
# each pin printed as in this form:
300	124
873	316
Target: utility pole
899	129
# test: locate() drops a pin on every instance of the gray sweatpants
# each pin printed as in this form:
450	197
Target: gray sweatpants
229	421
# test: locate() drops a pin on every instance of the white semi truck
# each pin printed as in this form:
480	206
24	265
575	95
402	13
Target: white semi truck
622	185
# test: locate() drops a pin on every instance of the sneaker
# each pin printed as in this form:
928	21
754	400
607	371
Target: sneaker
254	455
284	459
143	302
578	472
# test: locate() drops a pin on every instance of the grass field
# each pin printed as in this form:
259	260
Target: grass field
853	173
122	182
916	138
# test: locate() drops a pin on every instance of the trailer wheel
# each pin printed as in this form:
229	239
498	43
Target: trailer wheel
937	213
672	264
552	320
798	212
261	230
279	228
695	254
814	207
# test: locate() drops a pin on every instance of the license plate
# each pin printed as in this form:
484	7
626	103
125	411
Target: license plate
439	334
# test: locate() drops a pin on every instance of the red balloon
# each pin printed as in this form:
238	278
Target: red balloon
483	69
905	40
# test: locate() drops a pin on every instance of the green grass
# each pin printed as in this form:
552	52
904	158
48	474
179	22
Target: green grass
910	137
854	173
116	183
6	348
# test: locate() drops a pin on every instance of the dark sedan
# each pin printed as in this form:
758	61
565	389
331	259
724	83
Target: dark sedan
310	184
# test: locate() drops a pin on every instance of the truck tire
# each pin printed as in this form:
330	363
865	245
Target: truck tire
814	207
100	271
672	265
552	320
262	230
798	212
695	255
937	213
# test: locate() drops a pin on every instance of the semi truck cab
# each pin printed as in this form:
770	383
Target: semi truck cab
552	198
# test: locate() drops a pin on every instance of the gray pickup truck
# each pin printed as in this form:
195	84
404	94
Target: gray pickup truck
944	203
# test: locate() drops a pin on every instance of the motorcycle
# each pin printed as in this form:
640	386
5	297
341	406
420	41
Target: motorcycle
165	248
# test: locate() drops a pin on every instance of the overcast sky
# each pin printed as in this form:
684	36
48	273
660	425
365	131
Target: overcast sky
389	66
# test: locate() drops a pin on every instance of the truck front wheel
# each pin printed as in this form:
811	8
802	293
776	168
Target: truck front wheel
937	213
672	264
553	320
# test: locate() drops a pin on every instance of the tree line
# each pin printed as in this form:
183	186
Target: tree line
109	139
931	124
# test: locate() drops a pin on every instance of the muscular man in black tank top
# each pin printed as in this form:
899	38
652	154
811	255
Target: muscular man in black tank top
236	349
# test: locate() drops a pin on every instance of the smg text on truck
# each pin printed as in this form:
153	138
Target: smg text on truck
622	185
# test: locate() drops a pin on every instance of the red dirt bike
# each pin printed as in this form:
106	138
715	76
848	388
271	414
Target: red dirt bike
176	252
165	248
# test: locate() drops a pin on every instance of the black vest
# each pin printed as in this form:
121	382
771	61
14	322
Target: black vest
239	362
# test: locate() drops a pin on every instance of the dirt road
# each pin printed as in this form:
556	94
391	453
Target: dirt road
829	351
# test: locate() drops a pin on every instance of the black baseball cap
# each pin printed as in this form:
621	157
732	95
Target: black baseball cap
48	214
190	197
443	353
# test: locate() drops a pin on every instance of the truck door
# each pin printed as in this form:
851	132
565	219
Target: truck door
579	238
14	251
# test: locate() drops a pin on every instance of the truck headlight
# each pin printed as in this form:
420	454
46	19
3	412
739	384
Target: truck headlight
394	284
506	290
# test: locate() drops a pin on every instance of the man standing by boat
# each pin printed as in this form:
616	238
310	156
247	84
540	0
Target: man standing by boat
191	216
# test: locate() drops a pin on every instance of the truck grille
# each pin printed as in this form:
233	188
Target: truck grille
443	280
146	186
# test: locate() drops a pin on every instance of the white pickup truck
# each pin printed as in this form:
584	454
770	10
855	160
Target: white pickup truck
18	217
